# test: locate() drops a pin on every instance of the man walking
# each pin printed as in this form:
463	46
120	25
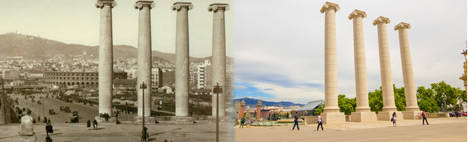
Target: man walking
242	122
423	114
95	124
296	123
319	122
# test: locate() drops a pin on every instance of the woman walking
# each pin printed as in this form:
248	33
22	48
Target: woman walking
394	119
319	122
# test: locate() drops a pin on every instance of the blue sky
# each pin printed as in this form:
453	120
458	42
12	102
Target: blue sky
279	50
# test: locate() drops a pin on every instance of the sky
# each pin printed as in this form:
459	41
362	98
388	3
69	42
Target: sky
77	22
279	45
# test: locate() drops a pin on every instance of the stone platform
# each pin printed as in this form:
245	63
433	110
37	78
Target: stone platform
333	117
363	116
148	119
387	115
103	120
412	115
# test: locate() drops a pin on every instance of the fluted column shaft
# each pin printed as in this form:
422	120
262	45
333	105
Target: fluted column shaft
407	67
362	99
385	68
219	55
331	73
105	57
144	57
182	59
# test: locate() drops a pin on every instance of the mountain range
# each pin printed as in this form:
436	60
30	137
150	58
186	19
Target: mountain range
32	47
252	102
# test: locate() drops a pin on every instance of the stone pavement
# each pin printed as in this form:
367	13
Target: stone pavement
64	132
440	129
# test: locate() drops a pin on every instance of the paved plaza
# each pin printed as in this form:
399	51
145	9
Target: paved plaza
63	132
440	129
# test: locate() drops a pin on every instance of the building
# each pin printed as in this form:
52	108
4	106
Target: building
156	78
463	77
77	78
204	75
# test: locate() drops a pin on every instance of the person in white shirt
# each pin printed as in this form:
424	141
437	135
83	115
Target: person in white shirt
320	122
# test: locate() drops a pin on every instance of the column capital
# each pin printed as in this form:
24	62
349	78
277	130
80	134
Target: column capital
178	5
101	3
142	3
381	19
329	5
357	13
215	6
402	25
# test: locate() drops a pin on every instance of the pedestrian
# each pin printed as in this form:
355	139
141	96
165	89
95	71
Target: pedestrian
95	124
394	119
45	119
88	124
39	118
319	122
296	123
49	128
423	114
145	135
242	121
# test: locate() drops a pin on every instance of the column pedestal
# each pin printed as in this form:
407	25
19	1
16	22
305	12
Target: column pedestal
103	120
387	115
411	115
148	120
182	120
363	116
333	118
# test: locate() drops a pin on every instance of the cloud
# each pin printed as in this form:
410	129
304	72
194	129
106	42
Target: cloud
282	50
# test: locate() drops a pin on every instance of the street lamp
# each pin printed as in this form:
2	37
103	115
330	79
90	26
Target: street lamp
143	87
444	97
217	90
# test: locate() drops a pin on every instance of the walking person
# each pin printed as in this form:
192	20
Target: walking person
242	121
319	122
296	123
423	114
88	124
95	124
394	119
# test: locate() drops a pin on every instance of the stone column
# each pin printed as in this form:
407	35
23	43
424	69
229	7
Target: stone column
242	109
218	63
412	108
259	109
182	58
331	111
105	56
385	70
362	100
331	83
144	56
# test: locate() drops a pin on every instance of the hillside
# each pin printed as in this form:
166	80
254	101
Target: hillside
31	47
253	102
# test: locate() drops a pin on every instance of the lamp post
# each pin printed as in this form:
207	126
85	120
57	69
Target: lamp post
143	87
444	97
217	90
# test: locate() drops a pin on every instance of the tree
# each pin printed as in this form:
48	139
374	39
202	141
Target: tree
400	99
426	100
319	109
376	100
347	105
452	94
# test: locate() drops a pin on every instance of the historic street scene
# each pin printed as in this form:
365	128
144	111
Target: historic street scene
116	70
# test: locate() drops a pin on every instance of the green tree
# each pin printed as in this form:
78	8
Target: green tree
347	105
319	109
426	99
400	99
376	100
452	94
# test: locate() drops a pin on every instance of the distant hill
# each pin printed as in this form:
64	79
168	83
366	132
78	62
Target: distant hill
253	102
32	47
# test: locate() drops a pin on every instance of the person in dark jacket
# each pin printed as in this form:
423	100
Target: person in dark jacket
242	122
88	124
95	124
296	123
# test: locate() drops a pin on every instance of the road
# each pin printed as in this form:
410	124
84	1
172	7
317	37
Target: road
85	112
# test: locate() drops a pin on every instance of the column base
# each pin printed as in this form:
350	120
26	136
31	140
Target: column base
308	120
411	115
103	120
363	117
387	115
148	119
333	117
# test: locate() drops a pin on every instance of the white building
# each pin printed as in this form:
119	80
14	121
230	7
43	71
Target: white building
204	75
